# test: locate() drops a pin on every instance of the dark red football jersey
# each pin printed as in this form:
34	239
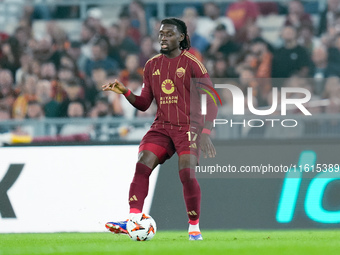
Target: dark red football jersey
169	81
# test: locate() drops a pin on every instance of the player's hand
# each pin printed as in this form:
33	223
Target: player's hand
115	86
207	146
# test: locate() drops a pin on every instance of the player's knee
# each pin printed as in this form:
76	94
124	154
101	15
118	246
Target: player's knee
146	162
148	159
187	161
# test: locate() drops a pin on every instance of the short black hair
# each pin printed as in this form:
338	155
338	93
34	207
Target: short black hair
182	28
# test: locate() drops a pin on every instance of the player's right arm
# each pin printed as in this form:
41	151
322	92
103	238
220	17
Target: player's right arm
141	102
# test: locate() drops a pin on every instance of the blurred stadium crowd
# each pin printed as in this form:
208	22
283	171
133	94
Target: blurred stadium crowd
55	76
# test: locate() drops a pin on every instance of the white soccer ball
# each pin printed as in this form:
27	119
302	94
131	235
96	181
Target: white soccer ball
141	227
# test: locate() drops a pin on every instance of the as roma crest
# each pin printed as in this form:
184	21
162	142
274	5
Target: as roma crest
180	72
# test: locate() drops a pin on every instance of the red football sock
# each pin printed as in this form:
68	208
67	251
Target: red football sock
139	187
192	194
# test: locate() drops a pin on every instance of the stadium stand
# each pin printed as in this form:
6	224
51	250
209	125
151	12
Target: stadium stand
55	40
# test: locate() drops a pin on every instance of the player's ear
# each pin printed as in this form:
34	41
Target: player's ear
181	37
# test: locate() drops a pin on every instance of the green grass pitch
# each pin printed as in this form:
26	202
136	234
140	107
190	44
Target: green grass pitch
215	242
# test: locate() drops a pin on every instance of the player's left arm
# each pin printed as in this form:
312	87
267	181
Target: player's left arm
206	144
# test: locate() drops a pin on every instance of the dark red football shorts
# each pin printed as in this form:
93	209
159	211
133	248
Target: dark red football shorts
164	142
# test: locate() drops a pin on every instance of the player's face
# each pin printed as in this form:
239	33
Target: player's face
169	38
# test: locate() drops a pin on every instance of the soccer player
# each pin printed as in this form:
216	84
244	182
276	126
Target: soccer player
168	78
